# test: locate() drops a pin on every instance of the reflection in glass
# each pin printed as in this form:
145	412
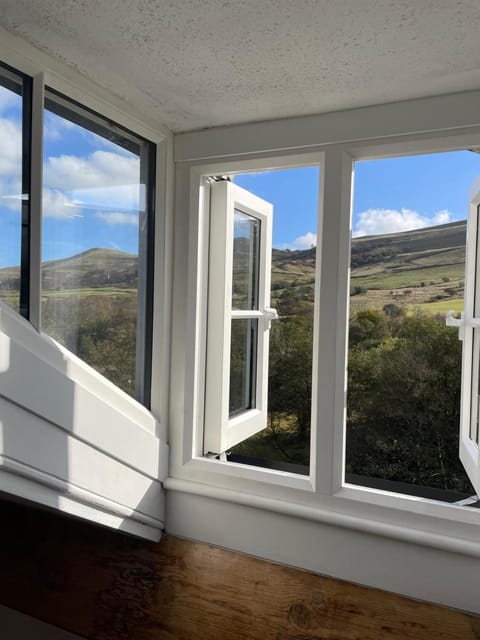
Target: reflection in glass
246	256
14	205
243	360
94	247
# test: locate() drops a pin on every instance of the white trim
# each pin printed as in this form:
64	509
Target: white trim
162	287
469	403
66	498
44	447
34	371
439	114
345	520
73	491
222	431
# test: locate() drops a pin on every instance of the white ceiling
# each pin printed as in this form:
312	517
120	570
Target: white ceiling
201	63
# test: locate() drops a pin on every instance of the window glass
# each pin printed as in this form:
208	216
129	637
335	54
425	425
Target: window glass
246	257
14	190
285	443
243	365
95	245
404	363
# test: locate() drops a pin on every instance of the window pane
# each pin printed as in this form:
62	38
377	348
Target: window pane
404	363
246	256
243	363
14	203
95	225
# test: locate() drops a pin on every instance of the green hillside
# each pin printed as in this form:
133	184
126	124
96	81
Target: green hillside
420	267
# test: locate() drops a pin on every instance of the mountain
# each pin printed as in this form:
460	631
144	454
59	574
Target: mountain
90	269
414	267
439	241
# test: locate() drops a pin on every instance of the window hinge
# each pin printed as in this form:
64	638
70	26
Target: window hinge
218	456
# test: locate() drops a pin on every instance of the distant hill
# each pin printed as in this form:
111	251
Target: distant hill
413	267
90	269
423	266
419	243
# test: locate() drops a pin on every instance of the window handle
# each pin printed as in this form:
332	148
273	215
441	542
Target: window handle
270	314
452	321
460	323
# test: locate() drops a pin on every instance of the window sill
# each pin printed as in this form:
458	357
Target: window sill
71	440
341	511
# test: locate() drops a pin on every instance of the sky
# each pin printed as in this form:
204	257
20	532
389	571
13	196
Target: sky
390	195
92	193
91	188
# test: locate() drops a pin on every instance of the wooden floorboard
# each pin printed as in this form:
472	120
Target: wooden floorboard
106	586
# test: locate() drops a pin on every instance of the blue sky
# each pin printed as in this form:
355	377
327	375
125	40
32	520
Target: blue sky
92	194
91	188
390	195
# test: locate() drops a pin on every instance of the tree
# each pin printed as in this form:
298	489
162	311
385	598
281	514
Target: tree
403	405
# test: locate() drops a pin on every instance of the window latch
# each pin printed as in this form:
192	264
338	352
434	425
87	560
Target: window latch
452	321
270	314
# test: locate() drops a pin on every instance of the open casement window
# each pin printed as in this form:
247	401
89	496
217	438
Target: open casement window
469	329
239	316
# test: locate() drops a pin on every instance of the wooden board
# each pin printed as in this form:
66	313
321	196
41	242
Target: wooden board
106	586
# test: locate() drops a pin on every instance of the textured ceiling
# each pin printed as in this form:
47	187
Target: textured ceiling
201	63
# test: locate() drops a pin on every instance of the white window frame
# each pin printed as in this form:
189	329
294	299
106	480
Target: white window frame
103	459
222	431
323	495
468	326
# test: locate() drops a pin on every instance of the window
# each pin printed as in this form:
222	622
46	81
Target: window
77	238
258	375
469	333
407	269
15	100
97	233
401	278
239	316
96	243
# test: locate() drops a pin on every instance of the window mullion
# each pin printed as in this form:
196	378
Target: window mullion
36	179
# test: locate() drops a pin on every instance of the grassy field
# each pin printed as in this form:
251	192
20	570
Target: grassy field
393	278
441	307
92	291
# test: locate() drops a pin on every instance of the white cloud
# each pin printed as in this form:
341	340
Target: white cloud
10	147
117	217
10	163
54	127
442	217
306	241
101	180
99	169
384	221
9	99
57	205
